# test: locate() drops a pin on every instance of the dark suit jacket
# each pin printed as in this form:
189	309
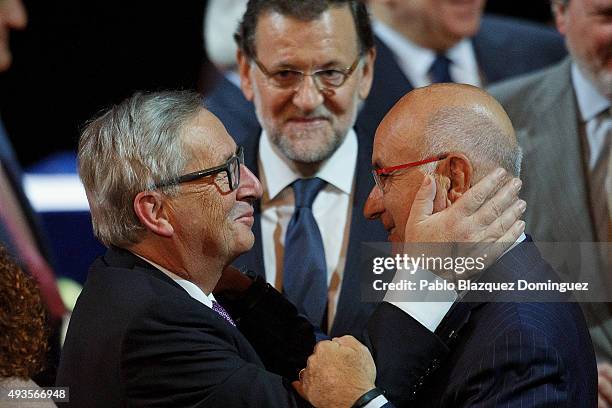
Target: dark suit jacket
488	354
137	338
504	48
237	114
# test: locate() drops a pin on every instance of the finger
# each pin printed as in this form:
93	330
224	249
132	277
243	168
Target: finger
513	233
494	208
320	346
422	206
347	341
605	369
601	403
605	388
476	196
505	222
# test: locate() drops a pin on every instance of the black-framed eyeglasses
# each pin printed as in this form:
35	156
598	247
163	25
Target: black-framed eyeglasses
324	79
231	167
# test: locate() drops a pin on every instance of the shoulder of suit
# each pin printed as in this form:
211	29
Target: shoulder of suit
523	89
498	25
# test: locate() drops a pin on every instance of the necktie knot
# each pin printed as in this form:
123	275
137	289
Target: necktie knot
306	190
440	69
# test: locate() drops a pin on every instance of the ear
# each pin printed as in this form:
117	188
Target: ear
456	174
150	208
560	13
443	184
367	73
244	70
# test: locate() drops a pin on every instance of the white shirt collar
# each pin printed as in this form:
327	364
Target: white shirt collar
591	102
520	239
415	61
338	170
191	288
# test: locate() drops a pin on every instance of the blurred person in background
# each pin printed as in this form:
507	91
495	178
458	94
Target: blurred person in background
19	228
563	121
23	333
220	23
430	41
307	67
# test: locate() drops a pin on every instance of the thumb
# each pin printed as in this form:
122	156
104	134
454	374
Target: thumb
422	207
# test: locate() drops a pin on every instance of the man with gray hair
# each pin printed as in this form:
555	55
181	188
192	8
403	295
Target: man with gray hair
490	350
170	196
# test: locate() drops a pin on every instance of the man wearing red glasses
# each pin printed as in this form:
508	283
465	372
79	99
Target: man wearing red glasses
494	352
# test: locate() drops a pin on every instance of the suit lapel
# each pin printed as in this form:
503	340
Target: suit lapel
352	312
563	161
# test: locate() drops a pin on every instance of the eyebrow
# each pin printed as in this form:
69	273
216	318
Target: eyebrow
290	66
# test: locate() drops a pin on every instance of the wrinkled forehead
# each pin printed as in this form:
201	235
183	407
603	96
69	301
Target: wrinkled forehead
332	33
206	141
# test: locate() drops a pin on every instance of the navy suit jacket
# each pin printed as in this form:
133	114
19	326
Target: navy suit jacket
237	114
504	48
488	354
136	338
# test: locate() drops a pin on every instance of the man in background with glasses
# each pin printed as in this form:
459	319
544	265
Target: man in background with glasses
307	67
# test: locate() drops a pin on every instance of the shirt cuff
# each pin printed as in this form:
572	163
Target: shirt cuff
428	307
377	402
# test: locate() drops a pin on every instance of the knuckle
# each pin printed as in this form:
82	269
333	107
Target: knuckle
479	197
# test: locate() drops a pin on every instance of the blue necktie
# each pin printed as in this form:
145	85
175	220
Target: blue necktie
304	266
439	70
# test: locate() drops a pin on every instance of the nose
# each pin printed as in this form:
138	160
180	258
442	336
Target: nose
307	96
250	187
373	207
13	14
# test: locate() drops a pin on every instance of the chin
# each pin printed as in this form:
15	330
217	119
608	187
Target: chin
243	243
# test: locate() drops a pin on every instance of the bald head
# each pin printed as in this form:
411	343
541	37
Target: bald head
453	118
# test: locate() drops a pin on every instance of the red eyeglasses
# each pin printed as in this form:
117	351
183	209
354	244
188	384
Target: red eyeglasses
386	171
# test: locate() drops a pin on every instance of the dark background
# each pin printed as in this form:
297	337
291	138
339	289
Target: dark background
77	57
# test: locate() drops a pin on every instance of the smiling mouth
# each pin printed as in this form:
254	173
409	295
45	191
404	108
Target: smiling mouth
315	120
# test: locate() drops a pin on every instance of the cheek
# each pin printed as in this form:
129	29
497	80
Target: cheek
344	107
269	104
602	38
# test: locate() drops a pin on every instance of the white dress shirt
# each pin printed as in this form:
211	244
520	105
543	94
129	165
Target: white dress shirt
191	288
331	209
591	102
415	61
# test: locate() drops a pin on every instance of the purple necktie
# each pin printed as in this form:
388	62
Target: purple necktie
222	312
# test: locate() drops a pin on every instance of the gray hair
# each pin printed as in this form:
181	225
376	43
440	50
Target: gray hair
475	134
130	148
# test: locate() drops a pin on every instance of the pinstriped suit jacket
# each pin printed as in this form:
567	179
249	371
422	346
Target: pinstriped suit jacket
489	354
